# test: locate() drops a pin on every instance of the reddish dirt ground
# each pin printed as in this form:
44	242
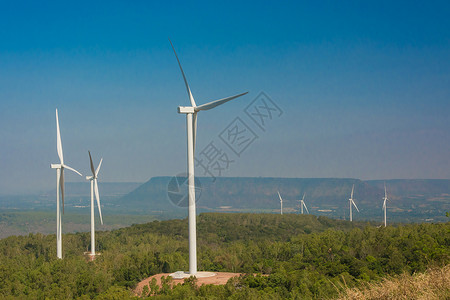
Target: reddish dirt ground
219	278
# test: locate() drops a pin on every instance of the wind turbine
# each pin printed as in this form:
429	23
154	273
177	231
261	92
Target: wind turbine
281	203
385	198
302	204
351	202
60	185
94	188
191	124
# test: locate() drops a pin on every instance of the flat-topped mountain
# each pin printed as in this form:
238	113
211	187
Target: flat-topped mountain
408	199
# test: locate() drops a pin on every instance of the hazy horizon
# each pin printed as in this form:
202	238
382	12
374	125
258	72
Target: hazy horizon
52	189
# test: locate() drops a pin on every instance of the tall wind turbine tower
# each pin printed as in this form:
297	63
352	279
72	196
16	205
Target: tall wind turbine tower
385	199
60	186
191	124
281	203
351	202
302	204
94	189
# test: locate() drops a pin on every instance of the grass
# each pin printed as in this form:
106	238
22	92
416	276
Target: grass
433	284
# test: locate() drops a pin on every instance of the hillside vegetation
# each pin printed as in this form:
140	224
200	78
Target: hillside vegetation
304	257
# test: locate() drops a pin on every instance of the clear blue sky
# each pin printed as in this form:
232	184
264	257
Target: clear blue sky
364	87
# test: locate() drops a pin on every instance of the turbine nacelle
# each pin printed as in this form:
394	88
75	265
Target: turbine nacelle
60	186
352	202
61	166
207	106
186	110
281	202
303	204
279	196
385	198
93	178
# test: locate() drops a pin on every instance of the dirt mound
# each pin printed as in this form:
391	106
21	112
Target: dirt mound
217	279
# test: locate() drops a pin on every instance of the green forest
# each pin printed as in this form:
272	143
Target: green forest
282	257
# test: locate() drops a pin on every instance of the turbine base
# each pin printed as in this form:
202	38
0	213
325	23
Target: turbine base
88	255
182	274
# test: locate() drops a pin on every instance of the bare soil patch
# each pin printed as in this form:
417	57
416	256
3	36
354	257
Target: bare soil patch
218	279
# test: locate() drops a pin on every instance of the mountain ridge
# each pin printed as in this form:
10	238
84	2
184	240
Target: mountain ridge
423	198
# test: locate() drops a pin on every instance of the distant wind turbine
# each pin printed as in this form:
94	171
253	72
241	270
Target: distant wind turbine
352	202
59	185
281	203
191	124
302	204
94	188
385	199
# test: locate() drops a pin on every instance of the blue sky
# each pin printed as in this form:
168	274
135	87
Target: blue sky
364	87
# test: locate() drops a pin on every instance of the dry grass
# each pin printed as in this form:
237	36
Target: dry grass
433	284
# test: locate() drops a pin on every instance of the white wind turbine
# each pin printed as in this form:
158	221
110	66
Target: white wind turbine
191	124
385	199
94	188
302	204
59	185
351	202
281	203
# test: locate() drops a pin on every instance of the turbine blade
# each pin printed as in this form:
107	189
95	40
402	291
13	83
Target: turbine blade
306	207
281	200
191	98
72	169
98	168
92	164
194	131
303	199
215	103
97	196
355	205
58	140
61	184
58	181
353	187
